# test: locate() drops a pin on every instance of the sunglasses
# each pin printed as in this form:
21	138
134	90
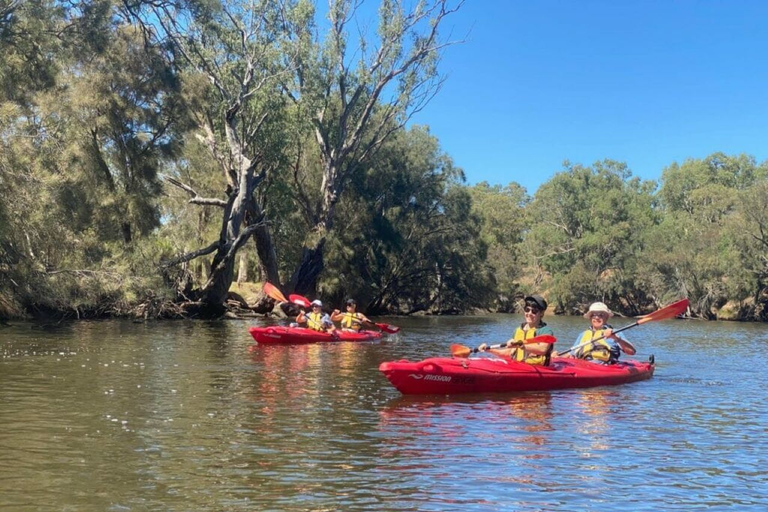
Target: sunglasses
531	309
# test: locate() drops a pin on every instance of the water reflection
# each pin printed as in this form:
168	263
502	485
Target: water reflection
180	416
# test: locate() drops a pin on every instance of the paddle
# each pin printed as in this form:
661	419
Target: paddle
388	328
671	311
299	300
391	329
464	351
272	291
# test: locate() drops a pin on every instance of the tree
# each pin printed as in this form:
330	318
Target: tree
692	252
586	232
354	97
409	240
502	210
230	58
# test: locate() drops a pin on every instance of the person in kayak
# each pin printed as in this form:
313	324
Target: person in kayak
316	320
531	353
351	320
608	348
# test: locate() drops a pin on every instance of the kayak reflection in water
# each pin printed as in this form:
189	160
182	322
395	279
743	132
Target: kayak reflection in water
599	344
531	353
351	320
316	320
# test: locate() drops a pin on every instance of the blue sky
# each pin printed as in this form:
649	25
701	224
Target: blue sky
643	82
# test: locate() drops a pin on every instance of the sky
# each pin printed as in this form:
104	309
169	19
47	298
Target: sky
645	82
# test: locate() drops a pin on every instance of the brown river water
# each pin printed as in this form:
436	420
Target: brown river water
180	416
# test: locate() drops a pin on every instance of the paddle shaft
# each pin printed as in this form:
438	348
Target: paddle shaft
587	343
544	338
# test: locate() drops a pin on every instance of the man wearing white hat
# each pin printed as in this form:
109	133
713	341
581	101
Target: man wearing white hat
316	320
598	343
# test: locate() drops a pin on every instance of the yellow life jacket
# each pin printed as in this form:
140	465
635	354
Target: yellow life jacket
314	321
351	321
519	353
600	350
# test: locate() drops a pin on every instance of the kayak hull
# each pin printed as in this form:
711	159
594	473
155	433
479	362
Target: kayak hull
279	335
449	376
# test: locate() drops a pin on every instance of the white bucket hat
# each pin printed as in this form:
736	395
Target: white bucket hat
598	307
316	302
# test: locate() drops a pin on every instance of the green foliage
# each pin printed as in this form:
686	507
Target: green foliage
700	250
503	228
586	232
93	114
408	240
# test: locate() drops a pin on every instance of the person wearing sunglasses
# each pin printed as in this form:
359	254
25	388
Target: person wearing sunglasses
531	353
598	343
350	320
316	319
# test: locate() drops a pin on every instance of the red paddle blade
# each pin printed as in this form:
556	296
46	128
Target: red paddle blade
298	299
544	338
671	311
388	328
272	291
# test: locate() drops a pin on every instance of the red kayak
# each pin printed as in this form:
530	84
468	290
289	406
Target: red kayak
278	335
448	376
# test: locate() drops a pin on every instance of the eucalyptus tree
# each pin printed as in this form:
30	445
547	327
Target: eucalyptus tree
270	80
693	250
409	240
503	228
230	56
749	232
354	95
586	232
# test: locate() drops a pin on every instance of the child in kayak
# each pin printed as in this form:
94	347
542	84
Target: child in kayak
605	350
351	320
316	320
531	353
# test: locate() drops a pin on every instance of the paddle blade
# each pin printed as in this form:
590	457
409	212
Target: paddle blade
272	291
544	338
460	350
671	311
388	328
299	300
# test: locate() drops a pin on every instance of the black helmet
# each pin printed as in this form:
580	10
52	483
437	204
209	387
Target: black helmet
351	301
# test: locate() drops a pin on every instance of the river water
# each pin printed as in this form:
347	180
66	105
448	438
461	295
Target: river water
181	416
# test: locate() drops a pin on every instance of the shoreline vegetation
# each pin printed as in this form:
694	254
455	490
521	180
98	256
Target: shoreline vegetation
155	155
246	300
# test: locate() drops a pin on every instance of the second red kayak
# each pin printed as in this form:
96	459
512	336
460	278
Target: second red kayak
279	335
448	376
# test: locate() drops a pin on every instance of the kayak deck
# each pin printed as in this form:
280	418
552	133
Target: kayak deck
447	376
279	335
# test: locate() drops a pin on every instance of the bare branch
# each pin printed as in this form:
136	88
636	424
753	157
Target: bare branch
190	256
196	199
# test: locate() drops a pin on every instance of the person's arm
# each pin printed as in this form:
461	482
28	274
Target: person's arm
302	318
337	316
512	344
537	348
622	342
